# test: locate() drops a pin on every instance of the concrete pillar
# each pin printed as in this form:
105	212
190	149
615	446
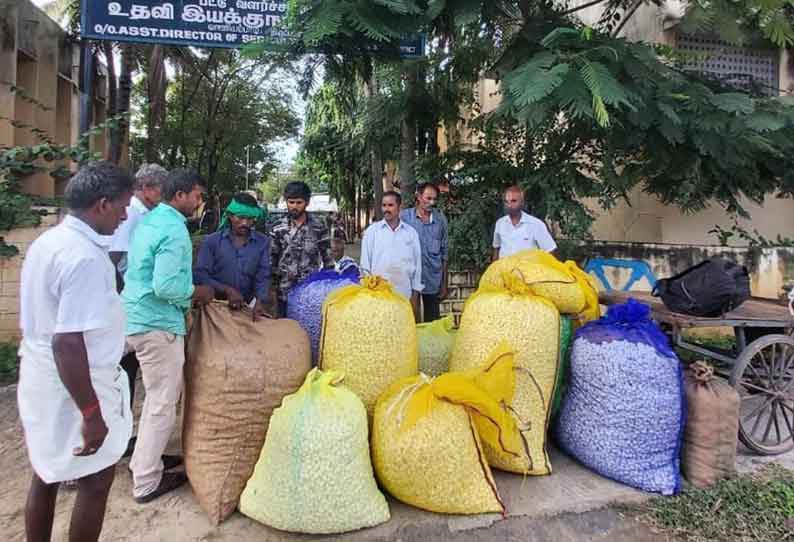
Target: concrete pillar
786	72
8	67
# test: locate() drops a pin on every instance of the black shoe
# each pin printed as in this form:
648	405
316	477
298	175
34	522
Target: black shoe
130	447
169	482
171	462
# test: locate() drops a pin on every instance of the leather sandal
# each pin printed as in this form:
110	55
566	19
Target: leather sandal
169	482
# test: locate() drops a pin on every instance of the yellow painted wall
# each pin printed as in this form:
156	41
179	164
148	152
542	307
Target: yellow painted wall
37	56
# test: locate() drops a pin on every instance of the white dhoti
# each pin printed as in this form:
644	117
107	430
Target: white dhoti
53	423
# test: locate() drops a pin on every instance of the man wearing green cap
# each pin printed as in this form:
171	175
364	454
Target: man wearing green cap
235	260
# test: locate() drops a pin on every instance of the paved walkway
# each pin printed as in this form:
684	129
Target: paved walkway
571	505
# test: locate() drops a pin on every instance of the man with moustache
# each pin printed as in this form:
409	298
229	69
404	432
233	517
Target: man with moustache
147	195
158	291
301	245
431	226
391	249
235	260
73	396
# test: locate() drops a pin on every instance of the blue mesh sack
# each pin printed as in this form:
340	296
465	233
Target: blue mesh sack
305	301
624	413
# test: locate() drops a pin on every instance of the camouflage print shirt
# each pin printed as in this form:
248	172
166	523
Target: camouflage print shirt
298	252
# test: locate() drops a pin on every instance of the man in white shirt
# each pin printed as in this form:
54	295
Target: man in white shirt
148	193
72	394
390	248
518	230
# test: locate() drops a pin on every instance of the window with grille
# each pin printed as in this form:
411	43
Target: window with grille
752	70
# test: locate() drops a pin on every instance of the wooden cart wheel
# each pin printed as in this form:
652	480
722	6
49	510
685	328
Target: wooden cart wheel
764	377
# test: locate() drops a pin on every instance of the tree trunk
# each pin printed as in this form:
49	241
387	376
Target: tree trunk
157	87
376	156
114	149
528	157
125	95
408	135
429	119
86	111
407	157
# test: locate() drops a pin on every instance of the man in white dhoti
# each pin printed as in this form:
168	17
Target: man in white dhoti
73	396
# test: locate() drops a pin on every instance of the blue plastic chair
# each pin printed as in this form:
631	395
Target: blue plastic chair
639	269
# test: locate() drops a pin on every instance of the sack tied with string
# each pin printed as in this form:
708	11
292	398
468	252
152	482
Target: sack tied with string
571	290
530	325
369	335
712	426
625	409
314	474
427	437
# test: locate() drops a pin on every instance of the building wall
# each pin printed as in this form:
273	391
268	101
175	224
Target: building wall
10	270
771	269
37	56
647	220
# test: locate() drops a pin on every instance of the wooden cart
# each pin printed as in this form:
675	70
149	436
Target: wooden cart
761	367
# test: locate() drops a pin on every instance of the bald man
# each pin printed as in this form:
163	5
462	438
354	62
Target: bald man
518	230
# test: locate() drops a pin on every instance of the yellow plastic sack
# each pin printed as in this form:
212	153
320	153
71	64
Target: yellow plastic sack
435	345
592	308
570	289
426	437
531	326
369	335
314	474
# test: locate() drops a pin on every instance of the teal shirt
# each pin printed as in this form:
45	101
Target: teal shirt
158	284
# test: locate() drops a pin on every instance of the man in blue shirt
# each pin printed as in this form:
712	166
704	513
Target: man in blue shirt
431	225
235	260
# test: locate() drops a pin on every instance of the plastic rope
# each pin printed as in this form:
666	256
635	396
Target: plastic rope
630	321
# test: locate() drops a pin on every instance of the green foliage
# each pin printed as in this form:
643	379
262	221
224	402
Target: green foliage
335	140
755	508
218	108
741	21
752	239
9	363
685	140
584	116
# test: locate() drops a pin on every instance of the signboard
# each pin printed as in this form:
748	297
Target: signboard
201	23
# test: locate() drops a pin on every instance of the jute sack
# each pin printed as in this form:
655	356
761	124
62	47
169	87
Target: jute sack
236	373
710	435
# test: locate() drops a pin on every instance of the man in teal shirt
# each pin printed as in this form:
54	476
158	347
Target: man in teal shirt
158	291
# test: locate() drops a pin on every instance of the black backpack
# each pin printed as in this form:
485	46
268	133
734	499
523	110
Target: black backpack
709	289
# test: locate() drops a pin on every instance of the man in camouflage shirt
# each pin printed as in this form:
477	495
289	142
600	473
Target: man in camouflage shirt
301	244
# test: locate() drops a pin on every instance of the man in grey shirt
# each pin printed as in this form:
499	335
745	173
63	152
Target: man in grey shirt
431	225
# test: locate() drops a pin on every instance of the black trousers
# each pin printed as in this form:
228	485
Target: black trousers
431	307
130	365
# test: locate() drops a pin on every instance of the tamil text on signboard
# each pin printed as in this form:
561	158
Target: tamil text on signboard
202	23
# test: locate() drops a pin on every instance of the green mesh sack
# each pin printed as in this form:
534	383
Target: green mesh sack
561	385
